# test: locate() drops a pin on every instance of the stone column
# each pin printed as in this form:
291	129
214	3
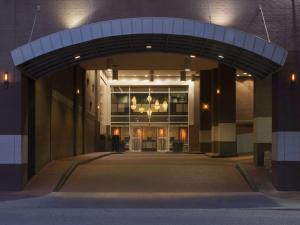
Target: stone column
205	113
224	128
286	126
262	118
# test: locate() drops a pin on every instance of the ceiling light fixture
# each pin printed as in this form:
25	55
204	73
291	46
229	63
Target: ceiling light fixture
151	75
77	57
182	76
115	74
220	56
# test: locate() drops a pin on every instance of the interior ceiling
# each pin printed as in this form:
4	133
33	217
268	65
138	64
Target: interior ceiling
150	61
163	64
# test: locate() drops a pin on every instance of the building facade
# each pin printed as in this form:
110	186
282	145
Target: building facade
160	75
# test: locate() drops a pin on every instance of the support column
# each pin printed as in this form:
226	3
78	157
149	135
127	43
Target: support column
224	129
262	118
286	126
205	110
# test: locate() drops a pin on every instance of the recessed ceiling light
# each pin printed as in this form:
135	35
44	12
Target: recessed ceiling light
77	57
249	75
192	56
221	56
238	75
148	46
245	73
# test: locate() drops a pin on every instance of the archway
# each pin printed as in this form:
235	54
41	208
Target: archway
65	49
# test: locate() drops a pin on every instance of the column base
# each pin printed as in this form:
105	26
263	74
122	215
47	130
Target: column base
13	177
259	152
225	149
205	147
286	175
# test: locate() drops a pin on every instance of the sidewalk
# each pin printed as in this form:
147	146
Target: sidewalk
46	180
262	178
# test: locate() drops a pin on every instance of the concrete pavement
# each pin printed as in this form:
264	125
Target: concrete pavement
153	172
160	189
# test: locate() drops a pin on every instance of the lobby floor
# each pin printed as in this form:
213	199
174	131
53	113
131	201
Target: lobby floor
157	172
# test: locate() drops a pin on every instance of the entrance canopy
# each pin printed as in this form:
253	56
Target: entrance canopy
154	34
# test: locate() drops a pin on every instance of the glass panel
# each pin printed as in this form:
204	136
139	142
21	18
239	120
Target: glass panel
179	104
178	119
120	119
119	104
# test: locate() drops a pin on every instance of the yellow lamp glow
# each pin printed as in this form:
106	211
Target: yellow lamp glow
133	107
5	76
165	106
133	100
141	109
149	98
156	105
205	106
293	77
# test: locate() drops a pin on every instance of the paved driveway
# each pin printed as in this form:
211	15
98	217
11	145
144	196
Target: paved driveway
155	172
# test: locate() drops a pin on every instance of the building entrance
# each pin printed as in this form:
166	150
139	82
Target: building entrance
149	138
152	118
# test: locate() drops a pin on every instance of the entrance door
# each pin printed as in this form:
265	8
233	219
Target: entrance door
162	139
136	135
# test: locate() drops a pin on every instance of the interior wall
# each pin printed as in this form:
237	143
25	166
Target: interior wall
42	122
65	120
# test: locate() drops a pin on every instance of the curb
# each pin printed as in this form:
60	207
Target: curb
73	167
247	177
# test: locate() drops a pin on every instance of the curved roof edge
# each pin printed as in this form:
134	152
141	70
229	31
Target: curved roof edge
149	25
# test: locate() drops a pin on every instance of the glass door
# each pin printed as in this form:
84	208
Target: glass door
136	135
162	139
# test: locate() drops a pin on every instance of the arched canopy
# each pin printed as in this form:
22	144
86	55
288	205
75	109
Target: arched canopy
239	49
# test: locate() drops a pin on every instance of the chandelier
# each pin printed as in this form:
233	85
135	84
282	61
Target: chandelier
148	110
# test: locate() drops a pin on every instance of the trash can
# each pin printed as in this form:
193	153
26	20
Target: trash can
177	146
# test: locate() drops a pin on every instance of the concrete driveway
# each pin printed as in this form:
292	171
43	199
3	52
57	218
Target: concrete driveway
156	172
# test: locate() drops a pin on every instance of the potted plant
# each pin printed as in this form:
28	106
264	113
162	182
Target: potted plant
102	140
108	143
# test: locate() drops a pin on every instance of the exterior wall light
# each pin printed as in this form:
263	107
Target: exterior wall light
220	56
205	106
218	91
192	56
77	57
5	80
78	92
148	46
293	78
